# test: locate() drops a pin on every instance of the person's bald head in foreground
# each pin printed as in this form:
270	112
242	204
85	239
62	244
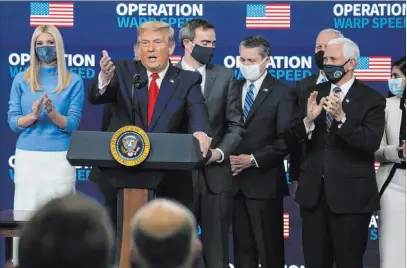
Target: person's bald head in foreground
164	235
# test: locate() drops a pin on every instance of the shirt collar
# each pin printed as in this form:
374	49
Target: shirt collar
320	77
186	67
160	74
257	84
345	87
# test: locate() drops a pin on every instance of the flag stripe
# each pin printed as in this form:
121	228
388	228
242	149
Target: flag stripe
374	68
260	16
55	13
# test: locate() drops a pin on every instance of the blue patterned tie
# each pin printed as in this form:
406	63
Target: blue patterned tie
329	117
248	101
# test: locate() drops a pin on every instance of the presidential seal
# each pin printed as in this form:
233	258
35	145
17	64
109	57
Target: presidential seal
130	146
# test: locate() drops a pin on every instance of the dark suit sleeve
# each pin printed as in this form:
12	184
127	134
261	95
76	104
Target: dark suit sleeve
273	155
110	95
366	135
198	116
295	135
107	116
234	119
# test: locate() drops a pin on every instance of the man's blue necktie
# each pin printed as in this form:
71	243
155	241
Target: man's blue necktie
248	101
329	117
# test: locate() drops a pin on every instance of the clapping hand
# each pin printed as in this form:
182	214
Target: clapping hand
314	109
36	107
333	105
48	104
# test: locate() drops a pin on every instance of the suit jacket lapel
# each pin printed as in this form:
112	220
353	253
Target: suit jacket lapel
210	79
141	99
167	88
264	91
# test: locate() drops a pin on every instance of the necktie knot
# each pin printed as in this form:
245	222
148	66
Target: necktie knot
155	76
196	71
337	90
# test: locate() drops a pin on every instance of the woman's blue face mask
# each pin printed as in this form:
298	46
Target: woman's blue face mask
46	54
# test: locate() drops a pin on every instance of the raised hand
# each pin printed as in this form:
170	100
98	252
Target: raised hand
314	109
36	107
107	67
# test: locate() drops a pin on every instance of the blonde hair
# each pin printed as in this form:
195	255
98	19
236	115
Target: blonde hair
157	26
32	74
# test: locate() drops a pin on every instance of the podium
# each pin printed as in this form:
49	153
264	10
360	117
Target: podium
168	152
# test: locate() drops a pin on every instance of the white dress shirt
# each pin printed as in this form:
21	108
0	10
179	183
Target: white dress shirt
320	77
257	85
345	89
102	87
201	70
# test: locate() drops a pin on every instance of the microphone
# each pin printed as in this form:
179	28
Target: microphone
138	83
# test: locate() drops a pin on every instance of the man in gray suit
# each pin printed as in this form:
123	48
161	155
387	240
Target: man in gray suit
213	185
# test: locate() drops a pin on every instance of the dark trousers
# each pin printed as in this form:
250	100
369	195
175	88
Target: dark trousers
258	232
214	214
330	238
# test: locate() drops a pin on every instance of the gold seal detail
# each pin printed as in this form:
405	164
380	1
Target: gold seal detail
130	146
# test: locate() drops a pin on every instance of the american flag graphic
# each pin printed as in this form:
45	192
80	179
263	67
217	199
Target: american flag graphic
268	16
286	226
376	166
175	59
373	68
55	13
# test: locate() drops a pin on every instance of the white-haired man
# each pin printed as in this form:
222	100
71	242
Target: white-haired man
164	235
321	42
341	123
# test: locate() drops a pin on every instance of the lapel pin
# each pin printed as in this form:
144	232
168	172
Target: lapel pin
347	100
266	89
171	80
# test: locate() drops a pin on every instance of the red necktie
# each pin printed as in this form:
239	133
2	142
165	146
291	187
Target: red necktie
152	96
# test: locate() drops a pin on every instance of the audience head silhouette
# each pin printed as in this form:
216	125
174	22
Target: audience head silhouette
68	232
164	235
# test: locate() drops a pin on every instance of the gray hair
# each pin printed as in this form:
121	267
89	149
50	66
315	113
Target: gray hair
350	48
333	31
257	41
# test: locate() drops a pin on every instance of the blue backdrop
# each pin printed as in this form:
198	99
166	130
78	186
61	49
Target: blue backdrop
377	27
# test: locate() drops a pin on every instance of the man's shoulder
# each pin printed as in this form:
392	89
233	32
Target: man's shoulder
220	70
189	76
307	82
364	90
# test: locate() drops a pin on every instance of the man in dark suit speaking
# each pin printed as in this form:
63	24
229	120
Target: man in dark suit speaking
170	101
213	187
341	123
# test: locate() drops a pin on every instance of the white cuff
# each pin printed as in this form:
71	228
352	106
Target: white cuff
309	128
255	162
222	155
342	122
101	86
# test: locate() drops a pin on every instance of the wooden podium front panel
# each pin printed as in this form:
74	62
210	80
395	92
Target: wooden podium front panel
133	199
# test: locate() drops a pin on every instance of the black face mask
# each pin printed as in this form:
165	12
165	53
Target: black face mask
203	55
319	59
334	73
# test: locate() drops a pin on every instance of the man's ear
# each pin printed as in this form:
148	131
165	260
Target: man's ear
171	48
352	64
